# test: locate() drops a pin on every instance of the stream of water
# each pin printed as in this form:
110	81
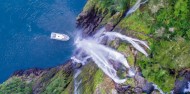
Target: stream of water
102	55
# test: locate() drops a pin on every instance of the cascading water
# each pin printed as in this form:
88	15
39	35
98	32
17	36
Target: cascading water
135	7
101	54
77	81
133	41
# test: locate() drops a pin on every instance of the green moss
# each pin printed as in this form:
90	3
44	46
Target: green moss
16	86
131	82
89	5
125	49
107	6
98	78
103	91
87	77
139	22
105	19
115	18
122	47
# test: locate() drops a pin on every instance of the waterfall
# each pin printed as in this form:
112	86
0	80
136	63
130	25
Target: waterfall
78	59
101	54
157	88
133	41
77	82
135	7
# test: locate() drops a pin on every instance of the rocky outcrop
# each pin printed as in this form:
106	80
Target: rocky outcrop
41	80
35	72
41	84
88	21
169	54
182	81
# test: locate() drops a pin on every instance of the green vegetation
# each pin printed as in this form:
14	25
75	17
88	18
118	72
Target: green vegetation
58	83
169	58
112	6
53	81
170	48
131	82
107	6
166	27
16	86
98	78
175	16
125	49
165	24
173	55
141	24
89	81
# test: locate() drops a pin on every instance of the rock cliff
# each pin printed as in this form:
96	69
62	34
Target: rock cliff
164	24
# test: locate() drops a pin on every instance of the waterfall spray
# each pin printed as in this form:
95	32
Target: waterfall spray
101	54
133	41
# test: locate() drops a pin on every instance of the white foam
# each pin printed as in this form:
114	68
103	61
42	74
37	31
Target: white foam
135	7
101	56
187	90
133	41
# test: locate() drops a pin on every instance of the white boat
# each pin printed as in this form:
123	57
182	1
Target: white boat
59	36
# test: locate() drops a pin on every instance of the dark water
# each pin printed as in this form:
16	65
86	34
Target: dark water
25	27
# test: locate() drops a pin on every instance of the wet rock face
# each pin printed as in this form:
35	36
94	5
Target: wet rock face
148	88
66	69
88	21
138	90
68	66
140	81
109	26
182	82
104	41
142	85
35	72
41	78
77	65
121	88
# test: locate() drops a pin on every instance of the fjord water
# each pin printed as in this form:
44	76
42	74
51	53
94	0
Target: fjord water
25	28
